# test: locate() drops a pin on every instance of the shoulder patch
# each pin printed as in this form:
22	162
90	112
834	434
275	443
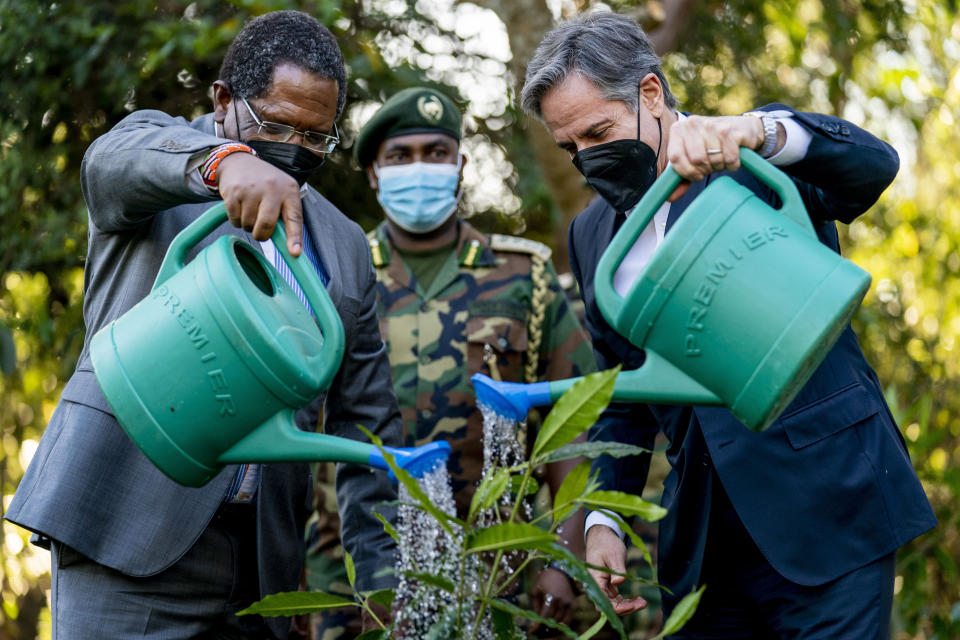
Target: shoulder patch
378	253
516	244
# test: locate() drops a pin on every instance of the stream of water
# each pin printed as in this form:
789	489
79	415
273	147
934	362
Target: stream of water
427	549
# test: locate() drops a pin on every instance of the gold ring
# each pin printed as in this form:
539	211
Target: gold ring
712	151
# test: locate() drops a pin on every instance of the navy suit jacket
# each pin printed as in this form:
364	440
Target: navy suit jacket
829	487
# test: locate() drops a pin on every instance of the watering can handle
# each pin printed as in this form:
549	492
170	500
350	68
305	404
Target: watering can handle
792	206
306	277
791	203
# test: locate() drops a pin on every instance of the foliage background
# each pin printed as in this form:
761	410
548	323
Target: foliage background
72	69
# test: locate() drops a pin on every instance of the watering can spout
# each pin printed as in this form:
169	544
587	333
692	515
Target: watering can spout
279	440
510	399
417	461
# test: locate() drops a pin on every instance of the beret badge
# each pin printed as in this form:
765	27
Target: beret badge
430	108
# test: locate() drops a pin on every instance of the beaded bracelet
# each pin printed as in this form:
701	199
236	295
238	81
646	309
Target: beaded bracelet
208	170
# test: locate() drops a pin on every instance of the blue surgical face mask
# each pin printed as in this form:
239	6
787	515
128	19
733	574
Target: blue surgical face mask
418	197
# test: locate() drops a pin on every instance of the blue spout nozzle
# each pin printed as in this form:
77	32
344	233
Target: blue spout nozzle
510	399
417	461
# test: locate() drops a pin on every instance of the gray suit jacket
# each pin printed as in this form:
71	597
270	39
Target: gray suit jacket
89	487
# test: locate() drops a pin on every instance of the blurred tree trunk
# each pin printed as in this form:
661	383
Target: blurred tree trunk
527	21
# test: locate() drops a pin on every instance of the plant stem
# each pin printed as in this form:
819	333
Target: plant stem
488	587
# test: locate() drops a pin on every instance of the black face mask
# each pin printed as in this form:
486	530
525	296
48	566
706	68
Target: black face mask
620	171
292	159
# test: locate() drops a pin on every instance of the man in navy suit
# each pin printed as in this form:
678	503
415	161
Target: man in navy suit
795	529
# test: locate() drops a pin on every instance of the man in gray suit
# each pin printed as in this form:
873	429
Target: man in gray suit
133	553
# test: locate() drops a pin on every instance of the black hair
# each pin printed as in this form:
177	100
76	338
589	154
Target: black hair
276	38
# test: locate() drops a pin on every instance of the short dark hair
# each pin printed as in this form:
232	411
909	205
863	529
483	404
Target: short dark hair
609	50
276	38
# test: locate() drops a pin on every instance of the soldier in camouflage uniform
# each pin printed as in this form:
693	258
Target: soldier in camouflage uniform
453	302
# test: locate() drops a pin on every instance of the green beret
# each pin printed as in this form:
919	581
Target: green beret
415	110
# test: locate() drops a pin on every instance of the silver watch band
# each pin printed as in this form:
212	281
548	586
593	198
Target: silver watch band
769	132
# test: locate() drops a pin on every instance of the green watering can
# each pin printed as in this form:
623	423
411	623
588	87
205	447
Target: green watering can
737	307
210	367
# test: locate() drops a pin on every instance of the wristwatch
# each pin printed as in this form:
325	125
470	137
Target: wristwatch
769	132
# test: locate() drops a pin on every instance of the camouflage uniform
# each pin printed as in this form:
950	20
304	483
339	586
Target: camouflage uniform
478	316
484	312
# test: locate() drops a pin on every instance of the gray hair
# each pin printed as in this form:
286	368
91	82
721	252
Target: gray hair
609	50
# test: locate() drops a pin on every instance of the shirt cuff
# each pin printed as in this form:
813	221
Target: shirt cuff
600	517
797	140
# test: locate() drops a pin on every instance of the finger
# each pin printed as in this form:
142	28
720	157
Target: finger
292	212
267	213
731	154
679	191
603	581
696	155
564	613
680	160
234	210
716	157
626	606
248	214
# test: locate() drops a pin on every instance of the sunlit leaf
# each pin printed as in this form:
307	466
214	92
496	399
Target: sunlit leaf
575	411
573	488
625	504
682	613
351	569
488	492
294	603
509	535
593	450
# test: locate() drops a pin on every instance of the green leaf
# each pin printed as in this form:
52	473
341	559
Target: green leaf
293	603
682	613
432	580
374	634
387	527
513	609
577	568
572	489
503	626
510	535
634	538
575	411
351	569
593	450
532	485
625	504
489	491
383	597
594	629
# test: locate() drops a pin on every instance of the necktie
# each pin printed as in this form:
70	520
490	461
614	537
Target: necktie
245	483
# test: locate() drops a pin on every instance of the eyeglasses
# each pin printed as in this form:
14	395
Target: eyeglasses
277	132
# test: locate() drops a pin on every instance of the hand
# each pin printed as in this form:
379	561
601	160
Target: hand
606	549
553	597
701	145
256	194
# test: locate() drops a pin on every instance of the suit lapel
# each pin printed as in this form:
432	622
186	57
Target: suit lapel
324	241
